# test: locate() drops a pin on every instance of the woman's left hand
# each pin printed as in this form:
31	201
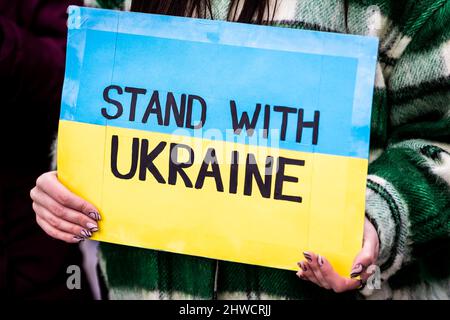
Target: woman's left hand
317	269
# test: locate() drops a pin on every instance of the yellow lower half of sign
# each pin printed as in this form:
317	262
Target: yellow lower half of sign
231	223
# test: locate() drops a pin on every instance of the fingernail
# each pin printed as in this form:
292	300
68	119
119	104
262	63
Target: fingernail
95	215
78	238
302	266
320	260
86	233
307	256
361	284
356	271
92	227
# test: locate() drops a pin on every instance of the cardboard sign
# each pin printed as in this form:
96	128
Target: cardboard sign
223	140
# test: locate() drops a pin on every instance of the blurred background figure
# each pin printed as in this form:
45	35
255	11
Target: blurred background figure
32	58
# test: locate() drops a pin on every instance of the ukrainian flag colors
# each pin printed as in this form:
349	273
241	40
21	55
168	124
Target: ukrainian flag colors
148	135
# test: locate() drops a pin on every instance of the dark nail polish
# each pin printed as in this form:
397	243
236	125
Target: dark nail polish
320	260
94	215
92	227
361	285
307	256
78	238
356	271
86	233
303	266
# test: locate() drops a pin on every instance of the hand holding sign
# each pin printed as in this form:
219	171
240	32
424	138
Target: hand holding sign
318	270
60	213
64	216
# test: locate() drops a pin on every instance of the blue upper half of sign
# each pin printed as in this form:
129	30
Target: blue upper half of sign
222	61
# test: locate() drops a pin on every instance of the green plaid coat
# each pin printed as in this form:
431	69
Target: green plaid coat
408	186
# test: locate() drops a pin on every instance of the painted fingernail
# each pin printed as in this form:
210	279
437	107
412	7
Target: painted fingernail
356	271
302	266
307	256
95	215
86	233
361	285
78	238
92	227
320	260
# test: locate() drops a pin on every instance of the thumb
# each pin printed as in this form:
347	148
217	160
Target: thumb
369	252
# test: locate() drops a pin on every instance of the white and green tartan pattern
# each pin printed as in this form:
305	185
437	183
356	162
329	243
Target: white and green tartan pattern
408	197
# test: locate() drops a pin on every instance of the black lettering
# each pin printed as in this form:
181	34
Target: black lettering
116	103
210	158
266	121
176	167
154	106
251	170
147	161
281	178
178	113
308	124
244	120
114	155
134	94
284	121
234	169
200	124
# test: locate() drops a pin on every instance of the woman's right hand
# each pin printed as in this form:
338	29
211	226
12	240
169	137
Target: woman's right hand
60	213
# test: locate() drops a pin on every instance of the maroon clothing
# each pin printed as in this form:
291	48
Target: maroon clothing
32	57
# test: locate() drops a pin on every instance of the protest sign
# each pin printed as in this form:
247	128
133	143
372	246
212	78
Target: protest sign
225	140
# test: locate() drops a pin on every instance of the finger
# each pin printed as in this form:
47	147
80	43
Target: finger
370	238
314	265
306	273
62	212
60	224
337	283
55	233
49	183
368	254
